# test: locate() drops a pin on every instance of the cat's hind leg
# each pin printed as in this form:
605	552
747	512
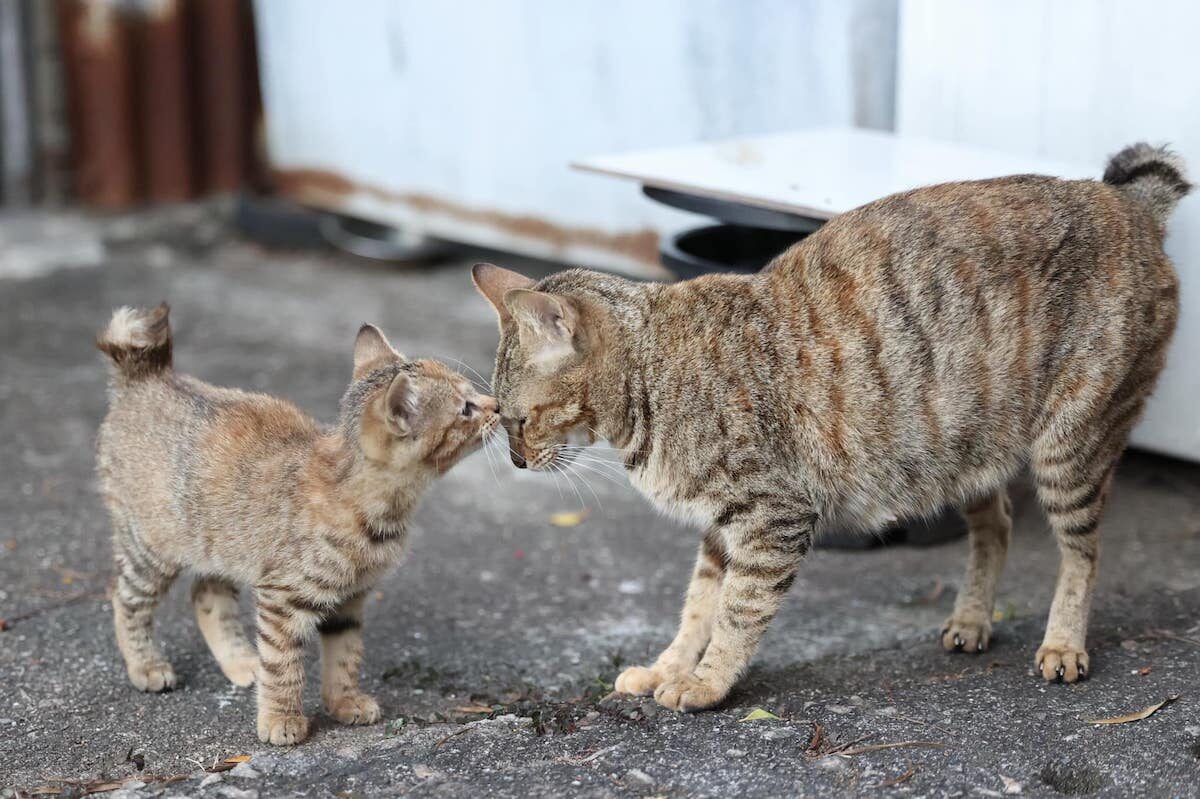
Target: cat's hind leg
216	604
142	579
695	624
989	526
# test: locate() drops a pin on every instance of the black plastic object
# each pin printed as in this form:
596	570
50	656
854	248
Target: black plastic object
723	248
733	213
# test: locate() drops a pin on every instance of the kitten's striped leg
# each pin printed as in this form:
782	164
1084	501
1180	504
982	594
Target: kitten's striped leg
341	659
695	625
216	605
989	526
283	627
766	542
142	578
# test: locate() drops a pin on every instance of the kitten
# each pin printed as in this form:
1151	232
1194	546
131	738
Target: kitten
244	488
913	352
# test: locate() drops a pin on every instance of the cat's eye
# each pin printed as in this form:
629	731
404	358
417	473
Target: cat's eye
469	409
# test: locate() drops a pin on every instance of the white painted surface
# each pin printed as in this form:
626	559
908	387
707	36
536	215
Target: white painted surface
485	104
819	173
1077	80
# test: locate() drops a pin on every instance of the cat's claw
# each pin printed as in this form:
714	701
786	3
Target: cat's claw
688	693
1065	664
966	635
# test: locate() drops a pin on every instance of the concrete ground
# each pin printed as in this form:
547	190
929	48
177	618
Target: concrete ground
493	648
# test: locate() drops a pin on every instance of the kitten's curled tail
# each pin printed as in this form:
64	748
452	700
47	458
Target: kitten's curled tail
1153	177
138	342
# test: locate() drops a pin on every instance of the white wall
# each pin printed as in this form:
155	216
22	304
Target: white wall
1074	80
486	103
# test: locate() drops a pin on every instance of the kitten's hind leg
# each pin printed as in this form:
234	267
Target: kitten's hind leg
341	659
695	625
142	578
216	605
989	525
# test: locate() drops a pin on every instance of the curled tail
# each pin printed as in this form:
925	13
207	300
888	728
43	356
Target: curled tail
1153	177
138	342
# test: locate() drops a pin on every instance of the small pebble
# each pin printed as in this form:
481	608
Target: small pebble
779	734
637	775
210	779
831	763
735	753
841	710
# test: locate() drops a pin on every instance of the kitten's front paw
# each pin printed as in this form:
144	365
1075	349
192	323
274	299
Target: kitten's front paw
687	693
1061	663
354	709
966	634
154	677
638	681
282	730
241	672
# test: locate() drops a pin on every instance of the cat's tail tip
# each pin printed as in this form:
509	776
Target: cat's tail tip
1153	177
138	341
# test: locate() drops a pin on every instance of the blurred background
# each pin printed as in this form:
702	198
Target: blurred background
410	124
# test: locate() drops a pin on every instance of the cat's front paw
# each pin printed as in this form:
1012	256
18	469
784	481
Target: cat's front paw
688	693
967	633
639	681
154	677
1065	663
354	709
282	729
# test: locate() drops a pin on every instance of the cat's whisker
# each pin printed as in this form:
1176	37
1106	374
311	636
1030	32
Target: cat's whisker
566	474
601	474
586	484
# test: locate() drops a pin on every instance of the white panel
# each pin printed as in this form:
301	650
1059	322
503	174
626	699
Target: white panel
1074	80
484	104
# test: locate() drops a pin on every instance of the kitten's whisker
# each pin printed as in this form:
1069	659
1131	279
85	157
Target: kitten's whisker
483	382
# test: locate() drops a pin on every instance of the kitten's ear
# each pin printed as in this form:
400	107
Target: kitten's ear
493	283
546	323
370	347
400	405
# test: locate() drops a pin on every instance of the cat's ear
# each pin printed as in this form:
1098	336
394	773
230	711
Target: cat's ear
493	283
545	323
370	348
400	406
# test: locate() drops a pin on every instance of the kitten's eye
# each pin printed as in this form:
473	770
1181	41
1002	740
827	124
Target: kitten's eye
469	409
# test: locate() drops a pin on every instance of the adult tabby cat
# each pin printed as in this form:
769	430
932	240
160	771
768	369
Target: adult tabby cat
913	352
245	489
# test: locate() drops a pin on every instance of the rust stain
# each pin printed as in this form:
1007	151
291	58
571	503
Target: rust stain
315	185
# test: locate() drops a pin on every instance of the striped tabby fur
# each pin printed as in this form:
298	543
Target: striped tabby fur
914	352
245	489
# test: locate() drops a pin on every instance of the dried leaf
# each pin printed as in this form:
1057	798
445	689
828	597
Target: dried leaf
862	750
1137	716
758	714
473	709
238	759
1144	670
1011	785
568	518
1008	612
105	787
